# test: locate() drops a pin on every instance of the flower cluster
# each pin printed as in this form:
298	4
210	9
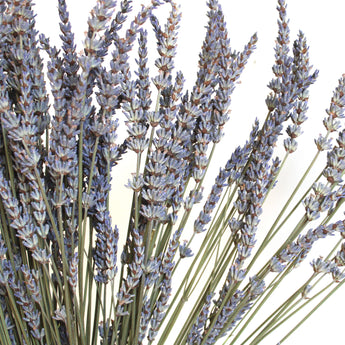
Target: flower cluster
62	280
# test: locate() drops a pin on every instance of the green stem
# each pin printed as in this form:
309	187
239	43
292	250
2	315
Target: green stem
17	317
80	205
83	234
311	312
140	294
5	337
90	288
279	312
98	305
273	230
8	163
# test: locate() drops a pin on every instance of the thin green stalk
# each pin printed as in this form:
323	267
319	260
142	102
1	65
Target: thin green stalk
134	311
125	330
83	234
215	316
98	306
4	230
80	205
89	287
273	231
189	288
152	132
261	276
105	313
183	299
47	307
293	235
206	249
314	309
298	309
163	240
68	297
140	295
225	261
333	211
152	244
264	297
5	337
112	310
134	210
183	333
8	163
277	314
289	307
332	251
17	317
287	154
252	261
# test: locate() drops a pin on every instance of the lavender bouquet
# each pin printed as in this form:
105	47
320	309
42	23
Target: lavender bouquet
193	265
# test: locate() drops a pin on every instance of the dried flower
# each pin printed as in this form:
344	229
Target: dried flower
60	278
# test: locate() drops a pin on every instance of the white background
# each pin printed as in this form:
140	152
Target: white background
323	24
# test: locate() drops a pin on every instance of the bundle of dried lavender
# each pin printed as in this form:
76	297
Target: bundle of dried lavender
62	280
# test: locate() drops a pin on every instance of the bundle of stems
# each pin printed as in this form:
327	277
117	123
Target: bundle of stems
63	279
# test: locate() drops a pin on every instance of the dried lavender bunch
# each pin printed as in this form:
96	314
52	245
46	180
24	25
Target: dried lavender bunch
63	279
